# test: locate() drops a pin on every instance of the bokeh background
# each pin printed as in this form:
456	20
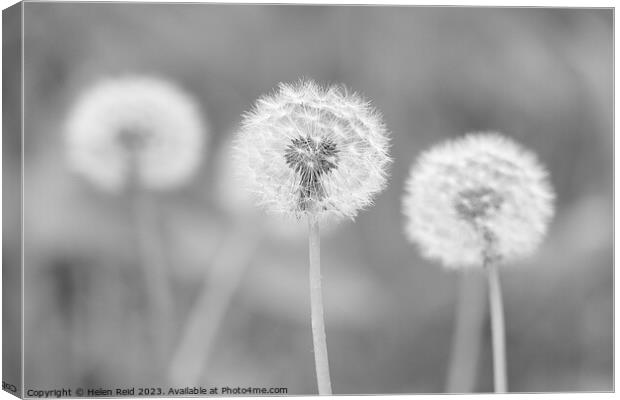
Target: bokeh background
542	76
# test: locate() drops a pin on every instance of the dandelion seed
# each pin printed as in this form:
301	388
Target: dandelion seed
233	198
135	125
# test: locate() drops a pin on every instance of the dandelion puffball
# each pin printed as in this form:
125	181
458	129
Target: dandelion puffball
308	149
135	125
479	196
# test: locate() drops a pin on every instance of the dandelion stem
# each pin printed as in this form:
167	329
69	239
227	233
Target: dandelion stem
205	319
497	328
155	273
316	304
466	341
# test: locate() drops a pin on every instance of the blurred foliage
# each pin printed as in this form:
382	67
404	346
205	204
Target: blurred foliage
543	76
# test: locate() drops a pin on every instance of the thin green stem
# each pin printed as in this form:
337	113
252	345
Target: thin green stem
497	328
469	320
204	322
316	304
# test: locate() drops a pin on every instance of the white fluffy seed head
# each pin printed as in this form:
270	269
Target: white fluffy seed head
135	127
308	149
479	196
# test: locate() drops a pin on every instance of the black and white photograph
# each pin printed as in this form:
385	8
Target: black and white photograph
226	199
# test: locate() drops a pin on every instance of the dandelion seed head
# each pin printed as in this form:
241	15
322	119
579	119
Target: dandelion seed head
306	149
479	196
135	127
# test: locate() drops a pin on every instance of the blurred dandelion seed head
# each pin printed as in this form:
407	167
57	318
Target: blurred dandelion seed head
482	194
311	149
135	125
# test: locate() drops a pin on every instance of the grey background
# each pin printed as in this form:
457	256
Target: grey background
542	76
